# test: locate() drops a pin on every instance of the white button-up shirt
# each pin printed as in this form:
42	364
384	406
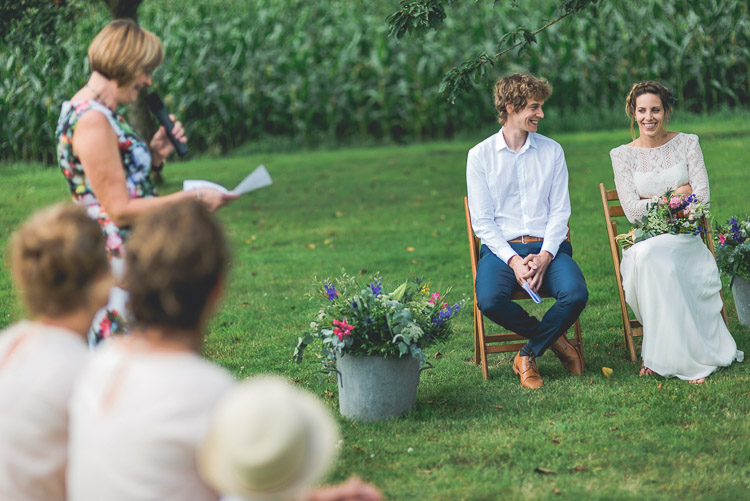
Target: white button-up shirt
516	194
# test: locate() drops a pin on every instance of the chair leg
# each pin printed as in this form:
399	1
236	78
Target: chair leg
579	341
629	342
476	336
482	346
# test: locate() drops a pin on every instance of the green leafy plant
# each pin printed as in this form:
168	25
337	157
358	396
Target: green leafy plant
733	248
362	319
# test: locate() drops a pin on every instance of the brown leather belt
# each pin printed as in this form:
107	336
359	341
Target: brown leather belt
526	239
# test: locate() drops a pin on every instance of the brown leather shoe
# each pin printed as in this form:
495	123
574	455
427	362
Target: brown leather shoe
526	368
568	355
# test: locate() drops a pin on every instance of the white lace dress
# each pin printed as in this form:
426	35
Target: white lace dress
671	282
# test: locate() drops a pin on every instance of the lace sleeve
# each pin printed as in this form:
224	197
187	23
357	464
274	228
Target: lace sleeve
697	175
631	202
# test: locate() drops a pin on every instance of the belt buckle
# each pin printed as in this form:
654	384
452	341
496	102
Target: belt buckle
523	239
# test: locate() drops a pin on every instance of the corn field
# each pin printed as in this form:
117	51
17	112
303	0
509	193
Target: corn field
325	72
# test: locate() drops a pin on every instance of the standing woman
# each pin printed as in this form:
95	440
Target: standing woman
104	161
671	282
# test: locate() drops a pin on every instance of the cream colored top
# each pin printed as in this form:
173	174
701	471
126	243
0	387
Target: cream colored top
642	173
38	365
137	418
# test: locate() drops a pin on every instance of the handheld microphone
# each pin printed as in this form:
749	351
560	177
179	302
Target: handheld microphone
156	106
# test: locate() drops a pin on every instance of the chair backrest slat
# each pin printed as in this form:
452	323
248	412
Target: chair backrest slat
612	195
616	211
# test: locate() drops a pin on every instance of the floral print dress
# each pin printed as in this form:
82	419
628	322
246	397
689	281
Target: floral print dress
136	162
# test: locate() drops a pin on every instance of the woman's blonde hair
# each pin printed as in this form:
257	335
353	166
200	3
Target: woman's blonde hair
648	87
175	258
55	258
515	90
123	49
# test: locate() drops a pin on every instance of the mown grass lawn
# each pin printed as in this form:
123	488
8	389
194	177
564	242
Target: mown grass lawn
363	210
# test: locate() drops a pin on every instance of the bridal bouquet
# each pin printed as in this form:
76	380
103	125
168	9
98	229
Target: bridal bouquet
669	213
363	319
733	250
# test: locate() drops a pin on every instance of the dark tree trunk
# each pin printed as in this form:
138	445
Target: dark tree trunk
123	8
139	115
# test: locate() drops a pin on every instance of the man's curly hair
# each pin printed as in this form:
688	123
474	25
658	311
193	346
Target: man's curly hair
515	90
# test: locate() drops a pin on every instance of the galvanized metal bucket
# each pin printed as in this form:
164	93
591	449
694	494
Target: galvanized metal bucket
375	388
741	292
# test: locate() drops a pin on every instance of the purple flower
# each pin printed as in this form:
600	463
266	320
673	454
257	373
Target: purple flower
442	317
331	291
376	288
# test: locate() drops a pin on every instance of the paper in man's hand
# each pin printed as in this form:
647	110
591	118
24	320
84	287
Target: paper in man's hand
259	178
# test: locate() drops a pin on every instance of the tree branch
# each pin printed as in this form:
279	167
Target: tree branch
424	15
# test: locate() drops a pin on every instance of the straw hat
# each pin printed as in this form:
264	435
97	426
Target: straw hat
267	441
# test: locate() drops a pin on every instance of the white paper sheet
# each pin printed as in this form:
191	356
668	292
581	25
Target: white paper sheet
258	178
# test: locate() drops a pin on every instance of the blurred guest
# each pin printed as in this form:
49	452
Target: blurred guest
271	441
144	401
59	265
104	161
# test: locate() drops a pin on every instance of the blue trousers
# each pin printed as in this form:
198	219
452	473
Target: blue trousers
563	280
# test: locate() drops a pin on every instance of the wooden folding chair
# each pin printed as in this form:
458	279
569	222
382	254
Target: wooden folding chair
500	342
630	326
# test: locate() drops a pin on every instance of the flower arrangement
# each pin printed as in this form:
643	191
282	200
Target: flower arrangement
733	250
669	213
362	319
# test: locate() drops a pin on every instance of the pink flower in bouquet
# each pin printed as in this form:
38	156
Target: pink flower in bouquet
434	299
722	239
675	202
342	329
105	327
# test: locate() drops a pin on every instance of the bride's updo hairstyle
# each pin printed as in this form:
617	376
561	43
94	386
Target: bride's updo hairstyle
57	258
648	87
175	258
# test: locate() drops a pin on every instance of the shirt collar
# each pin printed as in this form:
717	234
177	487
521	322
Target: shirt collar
530	142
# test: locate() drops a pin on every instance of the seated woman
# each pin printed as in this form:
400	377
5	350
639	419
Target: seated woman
144	401
60	267
671	281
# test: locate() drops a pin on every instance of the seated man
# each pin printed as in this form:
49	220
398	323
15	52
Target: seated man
517	183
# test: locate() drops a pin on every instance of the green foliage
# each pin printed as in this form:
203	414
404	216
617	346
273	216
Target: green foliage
733	247
416	15
363	319
300	73
423	15
27	21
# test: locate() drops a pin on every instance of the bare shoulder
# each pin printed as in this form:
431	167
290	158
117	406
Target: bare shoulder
93	118
93	126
